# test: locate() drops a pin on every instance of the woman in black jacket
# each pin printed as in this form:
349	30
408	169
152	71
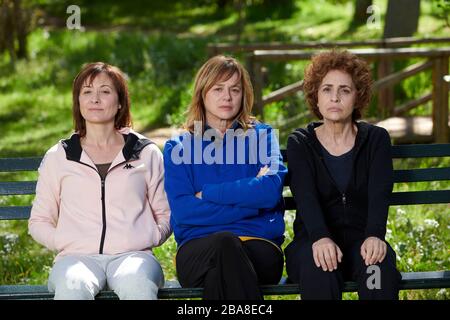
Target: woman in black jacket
341	178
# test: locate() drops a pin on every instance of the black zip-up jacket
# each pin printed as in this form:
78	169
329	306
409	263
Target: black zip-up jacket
324	211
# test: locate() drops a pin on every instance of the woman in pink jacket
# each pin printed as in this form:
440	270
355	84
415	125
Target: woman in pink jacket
100	200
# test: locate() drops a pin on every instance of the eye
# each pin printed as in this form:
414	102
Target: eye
346	91
106	91
86	91
236	90
326	89
218	89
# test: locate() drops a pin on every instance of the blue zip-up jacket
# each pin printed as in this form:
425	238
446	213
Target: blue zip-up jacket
225	170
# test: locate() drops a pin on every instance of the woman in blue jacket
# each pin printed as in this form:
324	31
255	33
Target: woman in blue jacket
224	180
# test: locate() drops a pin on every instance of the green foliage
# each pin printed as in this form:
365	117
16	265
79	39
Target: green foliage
23	260
266	9
441	8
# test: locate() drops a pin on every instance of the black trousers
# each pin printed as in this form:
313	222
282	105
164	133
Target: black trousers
228	268
316	284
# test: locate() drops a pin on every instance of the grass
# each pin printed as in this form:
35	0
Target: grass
160	49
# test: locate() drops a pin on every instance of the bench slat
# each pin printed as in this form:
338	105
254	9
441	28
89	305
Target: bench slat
420	197
417	175
400	198
411	175
15	213
19	164
172	289
17	188
410	151
421	150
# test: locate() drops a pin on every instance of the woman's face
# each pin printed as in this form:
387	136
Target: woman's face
223	101
99	101
336	96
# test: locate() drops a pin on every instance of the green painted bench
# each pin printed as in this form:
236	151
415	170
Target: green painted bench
172	289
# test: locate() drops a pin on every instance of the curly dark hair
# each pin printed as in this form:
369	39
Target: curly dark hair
345	61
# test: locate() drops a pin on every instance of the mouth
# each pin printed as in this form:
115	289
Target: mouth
226	107
334	109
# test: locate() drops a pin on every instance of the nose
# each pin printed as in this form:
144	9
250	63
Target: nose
335	96
227	95
95	98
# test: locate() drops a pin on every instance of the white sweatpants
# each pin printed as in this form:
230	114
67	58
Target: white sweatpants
132	275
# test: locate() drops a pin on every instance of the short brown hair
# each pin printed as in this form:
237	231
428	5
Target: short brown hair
215	69
88	73
345	61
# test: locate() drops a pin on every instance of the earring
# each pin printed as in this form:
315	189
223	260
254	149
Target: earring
120	106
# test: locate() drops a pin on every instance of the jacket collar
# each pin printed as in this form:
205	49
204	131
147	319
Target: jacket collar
309	135
131	150
234	125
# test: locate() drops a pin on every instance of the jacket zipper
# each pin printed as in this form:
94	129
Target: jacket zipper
102	239
344	202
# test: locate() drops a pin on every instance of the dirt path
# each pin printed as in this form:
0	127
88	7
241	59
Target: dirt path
161	135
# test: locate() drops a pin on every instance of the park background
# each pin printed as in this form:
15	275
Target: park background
160	45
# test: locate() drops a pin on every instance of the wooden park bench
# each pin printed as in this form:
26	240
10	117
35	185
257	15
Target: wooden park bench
172	290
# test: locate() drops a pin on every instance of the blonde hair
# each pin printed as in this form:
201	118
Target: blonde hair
214	70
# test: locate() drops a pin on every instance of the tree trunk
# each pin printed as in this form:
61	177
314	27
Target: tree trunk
7	33
239	5
360	14
402	18
21	22
221	7
2	26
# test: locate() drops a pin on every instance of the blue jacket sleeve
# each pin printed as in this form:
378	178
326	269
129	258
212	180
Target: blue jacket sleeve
186	208
262	193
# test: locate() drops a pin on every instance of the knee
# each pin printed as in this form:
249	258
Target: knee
73	288
302	269
316	274
387	268
137	287
72	280
388	272
225	240
380	281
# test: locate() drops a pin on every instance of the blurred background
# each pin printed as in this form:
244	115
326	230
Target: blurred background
161	44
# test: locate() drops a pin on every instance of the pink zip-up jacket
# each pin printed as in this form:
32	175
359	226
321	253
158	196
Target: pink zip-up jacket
75	212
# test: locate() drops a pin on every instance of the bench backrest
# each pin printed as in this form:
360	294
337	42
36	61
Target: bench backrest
398	198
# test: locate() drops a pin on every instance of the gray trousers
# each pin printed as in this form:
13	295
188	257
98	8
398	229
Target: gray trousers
133	276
